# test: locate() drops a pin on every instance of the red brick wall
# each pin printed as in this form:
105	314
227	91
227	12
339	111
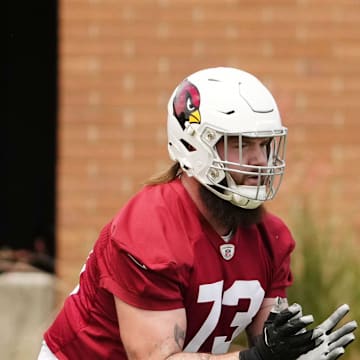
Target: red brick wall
120	60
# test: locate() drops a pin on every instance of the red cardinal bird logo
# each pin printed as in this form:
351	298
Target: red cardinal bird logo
186	104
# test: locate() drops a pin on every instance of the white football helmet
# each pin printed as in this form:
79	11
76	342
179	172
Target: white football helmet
215	104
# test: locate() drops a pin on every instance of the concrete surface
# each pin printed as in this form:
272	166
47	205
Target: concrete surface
26	309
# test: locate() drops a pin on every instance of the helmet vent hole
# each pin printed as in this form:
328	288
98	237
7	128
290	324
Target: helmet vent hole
187	146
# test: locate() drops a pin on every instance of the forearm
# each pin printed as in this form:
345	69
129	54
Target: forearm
203	356
249	354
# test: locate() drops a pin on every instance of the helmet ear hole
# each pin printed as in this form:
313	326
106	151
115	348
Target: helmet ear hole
187	146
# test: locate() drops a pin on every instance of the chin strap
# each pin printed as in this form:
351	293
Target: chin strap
245	196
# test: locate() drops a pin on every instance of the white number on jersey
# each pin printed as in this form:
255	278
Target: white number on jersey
240	289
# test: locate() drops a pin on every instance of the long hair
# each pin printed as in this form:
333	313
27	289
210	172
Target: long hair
166	176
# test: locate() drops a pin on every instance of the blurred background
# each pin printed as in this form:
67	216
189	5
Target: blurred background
87	85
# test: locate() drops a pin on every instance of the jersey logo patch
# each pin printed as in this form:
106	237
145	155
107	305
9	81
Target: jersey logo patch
227	251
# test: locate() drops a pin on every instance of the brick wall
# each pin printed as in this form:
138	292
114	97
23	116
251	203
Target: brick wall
120	60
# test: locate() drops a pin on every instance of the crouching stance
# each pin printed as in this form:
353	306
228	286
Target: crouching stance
194	258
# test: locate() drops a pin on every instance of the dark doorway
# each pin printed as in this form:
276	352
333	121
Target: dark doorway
28	143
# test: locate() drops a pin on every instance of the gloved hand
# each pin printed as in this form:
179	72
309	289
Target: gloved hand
284	336
334	342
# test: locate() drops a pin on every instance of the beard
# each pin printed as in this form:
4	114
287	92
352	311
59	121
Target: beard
227	214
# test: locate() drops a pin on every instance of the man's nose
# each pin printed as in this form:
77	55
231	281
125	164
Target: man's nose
258	156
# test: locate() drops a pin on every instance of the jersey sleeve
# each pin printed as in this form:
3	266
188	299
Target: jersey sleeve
139	285
281	245
140	267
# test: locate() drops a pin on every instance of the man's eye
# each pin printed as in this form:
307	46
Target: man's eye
266	143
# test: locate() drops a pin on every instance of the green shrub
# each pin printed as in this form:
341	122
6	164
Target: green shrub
326	270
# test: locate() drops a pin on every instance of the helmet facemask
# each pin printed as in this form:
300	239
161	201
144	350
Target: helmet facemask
224	175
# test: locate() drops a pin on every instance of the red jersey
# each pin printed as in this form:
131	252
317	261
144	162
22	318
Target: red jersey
159	253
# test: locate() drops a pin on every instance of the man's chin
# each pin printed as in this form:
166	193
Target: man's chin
227	214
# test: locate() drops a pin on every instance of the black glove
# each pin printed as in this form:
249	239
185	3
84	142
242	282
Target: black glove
284	337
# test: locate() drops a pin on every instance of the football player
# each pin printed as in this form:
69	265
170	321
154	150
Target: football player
194	259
